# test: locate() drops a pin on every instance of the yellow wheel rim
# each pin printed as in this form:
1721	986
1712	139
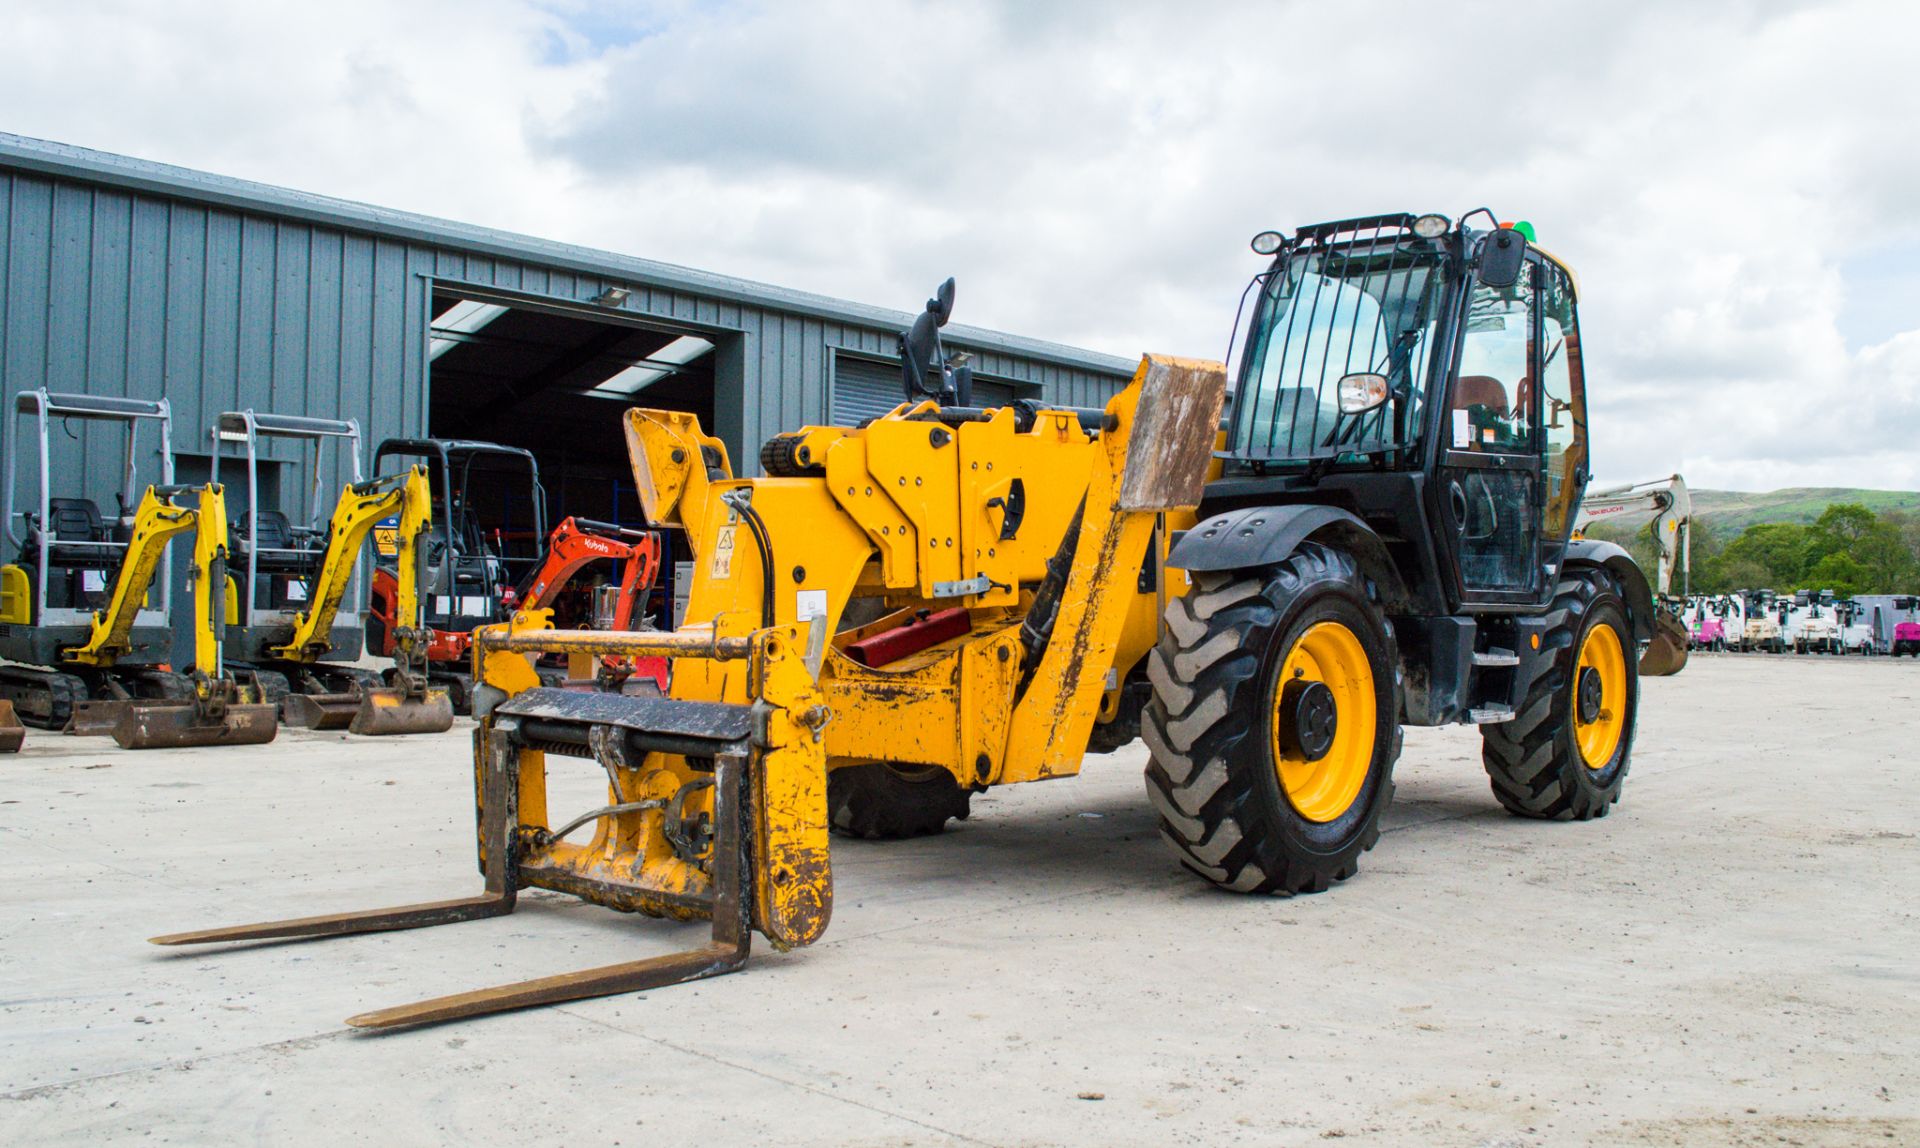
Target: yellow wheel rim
1332	655
1600	717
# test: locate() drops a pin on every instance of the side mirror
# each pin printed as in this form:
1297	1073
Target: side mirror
1501	253
1361	393
920	352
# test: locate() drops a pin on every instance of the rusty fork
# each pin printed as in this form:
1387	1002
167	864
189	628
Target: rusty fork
724	953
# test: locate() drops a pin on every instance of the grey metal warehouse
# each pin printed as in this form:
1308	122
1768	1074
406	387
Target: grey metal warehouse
124	277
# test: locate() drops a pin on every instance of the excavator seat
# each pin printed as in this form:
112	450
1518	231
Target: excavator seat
279	549
80	540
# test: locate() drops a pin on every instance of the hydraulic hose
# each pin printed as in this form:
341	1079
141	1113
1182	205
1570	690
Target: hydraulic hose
758	526
1037	627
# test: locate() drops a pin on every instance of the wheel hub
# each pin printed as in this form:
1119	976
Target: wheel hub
1312	718
1591	694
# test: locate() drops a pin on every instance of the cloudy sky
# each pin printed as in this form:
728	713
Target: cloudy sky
1738	184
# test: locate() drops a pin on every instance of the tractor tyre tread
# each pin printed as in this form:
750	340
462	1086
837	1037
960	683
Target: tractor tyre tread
1531	761
1206	728
877	802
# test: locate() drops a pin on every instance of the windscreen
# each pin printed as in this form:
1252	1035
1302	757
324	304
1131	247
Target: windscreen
1369	306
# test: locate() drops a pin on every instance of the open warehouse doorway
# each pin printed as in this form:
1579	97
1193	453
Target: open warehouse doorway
555	380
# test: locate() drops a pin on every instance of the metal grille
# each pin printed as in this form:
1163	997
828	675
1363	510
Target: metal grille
1356	305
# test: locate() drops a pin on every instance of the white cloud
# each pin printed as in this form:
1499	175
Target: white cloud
1733	180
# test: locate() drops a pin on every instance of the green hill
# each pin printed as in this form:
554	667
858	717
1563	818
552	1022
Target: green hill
1731	511
1728	512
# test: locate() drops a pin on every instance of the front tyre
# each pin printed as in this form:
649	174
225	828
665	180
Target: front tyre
1564	755
1274	724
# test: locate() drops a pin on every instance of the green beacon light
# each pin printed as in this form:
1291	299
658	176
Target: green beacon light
1525	229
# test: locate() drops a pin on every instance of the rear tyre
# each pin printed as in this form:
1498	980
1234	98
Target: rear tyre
887	802
1565	755
1274	724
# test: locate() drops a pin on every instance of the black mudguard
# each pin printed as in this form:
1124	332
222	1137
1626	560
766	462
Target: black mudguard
1616	561
1266	535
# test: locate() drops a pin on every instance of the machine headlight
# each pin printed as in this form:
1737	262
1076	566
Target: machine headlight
1432	226
1361	393
1268	242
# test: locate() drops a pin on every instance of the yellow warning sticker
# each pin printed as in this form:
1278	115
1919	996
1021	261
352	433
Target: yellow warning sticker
722	566
386	540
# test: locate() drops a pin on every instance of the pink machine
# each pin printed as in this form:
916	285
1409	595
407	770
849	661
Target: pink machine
1906	639
1709	633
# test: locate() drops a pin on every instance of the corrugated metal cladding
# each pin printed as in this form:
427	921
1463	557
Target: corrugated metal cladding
865	388
122	277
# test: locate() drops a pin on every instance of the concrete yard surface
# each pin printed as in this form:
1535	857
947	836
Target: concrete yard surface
1732	958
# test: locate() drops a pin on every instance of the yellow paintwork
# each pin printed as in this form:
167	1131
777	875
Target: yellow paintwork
1329	653
16	597
893	510
629	863
903	506
1598	739
361	506
669	466
156	522
208	576
233	602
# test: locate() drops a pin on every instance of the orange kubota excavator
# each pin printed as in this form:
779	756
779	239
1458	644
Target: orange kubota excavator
574	544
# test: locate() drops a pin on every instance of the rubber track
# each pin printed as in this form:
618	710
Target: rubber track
1526	759
33	690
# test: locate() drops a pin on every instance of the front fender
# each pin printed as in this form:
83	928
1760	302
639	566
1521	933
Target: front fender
1616	561
1264	535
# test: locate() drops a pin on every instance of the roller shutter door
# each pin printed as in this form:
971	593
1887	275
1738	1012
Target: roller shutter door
867	388
864	389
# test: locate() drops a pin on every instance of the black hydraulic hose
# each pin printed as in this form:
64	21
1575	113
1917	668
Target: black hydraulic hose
759	528
1037	627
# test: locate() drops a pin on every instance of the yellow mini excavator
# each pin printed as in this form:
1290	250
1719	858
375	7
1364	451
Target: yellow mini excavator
222	709
407	704
949	598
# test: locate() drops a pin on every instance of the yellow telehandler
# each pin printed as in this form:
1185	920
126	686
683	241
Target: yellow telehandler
949	598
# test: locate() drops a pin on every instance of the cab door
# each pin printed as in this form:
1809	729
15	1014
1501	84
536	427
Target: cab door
1489	477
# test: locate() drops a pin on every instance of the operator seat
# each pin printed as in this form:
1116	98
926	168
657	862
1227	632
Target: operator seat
1482	391
271	533
77	537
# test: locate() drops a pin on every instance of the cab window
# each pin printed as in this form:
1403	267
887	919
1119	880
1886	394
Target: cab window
1564	401
1492	407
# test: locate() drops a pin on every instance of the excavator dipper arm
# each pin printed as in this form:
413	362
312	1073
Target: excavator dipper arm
156	522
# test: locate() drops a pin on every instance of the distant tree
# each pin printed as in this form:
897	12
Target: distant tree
1776	551
1840	574
1877	555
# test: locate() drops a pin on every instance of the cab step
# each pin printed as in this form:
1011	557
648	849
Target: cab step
1489	715
1495	657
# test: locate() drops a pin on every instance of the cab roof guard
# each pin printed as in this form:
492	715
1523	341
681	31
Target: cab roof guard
249	427
44	406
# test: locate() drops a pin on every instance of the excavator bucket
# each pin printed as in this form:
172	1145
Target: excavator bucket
1666	655
385	711
319	711
178	725
95	719
12	733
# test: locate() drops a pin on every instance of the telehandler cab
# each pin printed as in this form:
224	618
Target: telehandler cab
1377	536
